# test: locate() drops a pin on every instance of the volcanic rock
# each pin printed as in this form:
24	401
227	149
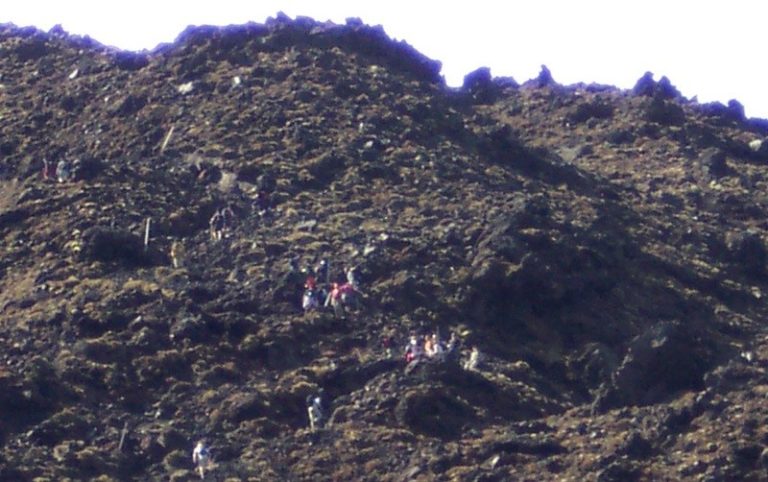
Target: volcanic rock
602	249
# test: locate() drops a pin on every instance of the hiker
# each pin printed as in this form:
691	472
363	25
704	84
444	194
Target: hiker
334	300
309	300
311	282
48	169
437	345
311	285
217	225
388	344
453	342
263	203
228	218
413	352
62	171
351	275
321	271
201	457
429	348
474	359
293	277
315	410
349	294
432	346
177	253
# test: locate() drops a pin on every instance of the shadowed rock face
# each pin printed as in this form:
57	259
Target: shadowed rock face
604	249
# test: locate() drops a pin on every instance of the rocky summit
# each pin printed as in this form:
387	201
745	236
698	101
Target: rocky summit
602	250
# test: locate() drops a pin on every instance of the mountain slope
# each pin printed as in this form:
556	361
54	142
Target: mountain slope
604	249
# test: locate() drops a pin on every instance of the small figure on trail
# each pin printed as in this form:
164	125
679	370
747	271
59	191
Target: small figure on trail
290	285
315	410
229	217
263	203
217	226
474	359
334	300
310	283
294	278
309	300
437	345
48	169
453	343
321	271
351	275
177	253
349	295
388	344
429	349
414	351
339	296
201	457
433	346
63	171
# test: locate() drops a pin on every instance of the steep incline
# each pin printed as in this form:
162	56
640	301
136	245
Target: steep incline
604	249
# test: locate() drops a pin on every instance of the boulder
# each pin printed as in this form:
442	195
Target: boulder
130	61
647	87
240	407
620	136
666	90
436	412
714	162
192	328
666	358
596	109
544	79
480	86
664	112
114	245
636	447
748	251
732	113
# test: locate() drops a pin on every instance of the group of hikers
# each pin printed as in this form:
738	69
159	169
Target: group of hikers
61	171
418	349
222	222
431	346
319	291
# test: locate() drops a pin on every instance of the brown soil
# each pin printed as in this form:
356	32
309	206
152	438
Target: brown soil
605	250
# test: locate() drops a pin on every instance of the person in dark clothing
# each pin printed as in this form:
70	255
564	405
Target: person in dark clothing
228	219
263	203
321	271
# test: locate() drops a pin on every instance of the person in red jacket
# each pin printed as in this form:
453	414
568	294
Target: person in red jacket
334	300
310	283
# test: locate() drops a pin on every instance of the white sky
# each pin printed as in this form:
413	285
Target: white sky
714	49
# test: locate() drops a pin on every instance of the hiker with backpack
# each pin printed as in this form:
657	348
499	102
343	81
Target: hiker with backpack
315	410
63	171
201	457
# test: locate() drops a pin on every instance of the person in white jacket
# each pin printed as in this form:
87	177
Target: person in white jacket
475	358
201	456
